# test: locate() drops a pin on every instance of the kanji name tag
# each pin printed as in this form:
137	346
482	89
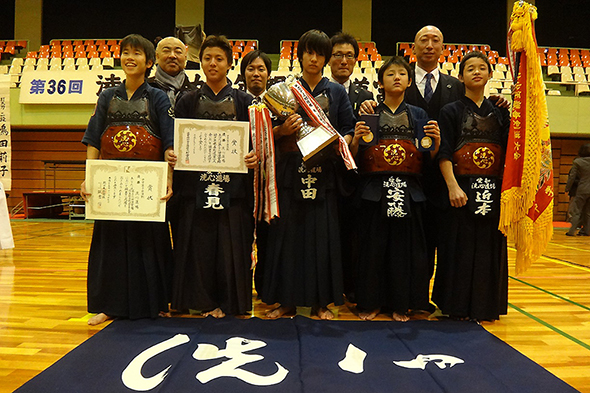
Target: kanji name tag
211	145
126	190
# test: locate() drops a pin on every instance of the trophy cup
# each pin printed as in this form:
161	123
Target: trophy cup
313	143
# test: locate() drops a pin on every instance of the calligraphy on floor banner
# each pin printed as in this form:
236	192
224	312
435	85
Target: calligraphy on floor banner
5	145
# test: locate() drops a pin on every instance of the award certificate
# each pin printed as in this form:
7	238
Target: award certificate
211	145
126	190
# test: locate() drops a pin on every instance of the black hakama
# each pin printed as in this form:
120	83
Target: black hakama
130	263
472	265
212	247
129	269
392	269
303	259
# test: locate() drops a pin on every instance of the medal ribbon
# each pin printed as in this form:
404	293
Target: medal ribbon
315	112
265	187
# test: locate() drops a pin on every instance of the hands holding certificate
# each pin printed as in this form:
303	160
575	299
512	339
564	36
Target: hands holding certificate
250	159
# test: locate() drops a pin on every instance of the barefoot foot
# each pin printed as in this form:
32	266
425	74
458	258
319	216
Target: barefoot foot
280	312
323	313
98	319
400	317
368	315
217	313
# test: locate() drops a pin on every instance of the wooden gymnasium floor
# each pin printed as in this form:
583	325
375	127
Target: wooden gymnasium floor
43	303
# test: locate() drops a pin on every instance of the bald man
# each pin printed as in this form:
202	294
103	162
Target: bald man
170	75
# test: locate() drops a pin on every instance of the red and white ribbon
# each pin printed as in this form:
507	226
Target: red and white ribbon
266	205
315	112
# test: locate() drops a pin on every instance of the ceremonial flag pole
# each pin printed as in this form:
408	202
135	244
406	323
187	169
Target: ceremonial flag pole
526	215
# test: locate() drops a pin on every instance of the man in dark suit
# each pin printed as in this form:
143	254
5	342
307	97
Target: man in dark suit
345	53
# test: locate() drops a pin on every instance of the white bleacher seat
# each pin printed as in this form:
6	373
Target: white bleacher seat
498	75
578	70
378	63
494	84
580	78
14	80
552	70
70	67
42	62
297	69
567	78
583	88
94	62
506	91
366	64
97	67
30	61
493	90
55	61
587	69
15	69
55	67
81	61
455	73
84	67
69	61
17	61
501	67
28	68
3	69
41	67
283	69
108	62
553	93
284	63
566	70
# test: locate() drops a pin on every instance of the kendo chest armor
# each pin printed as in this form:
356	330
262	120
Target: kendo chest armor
395	151
479	151
129	134
288	143
224	109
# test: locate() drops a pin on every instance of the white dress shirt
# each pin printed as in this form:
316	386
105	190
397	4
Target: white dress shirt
420	75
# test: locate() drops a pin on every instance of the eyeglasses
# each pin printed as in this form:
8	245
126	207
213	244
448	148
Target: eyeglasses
339	56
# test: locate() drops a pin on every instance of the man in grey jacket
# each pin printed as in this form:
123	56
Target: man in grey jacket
578	183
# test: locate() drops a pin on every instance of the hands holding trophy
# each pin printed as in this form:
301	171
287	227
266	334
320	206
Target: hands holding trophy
313	142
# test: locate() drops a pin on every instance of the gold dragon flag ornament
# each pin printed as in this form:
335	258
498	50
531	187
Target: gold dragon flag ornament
526	215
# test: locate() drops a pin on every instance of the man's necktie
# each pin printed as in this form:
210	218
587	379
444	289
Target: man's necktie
428	87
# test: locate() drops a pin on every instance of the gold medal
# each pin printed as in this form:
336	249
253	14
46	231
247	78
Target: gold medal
426	142
368	138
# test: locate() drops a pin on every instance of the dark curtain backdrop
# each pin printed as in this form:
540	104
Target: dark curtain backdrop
272	21
107	18
460	22
7	21
563	23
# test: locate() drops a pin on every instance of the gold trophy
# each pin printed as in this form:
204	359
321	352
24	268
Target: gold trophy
313	143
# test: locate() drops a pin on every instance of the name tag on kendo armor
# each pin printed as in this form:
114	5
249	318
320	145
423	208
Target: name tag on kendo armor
483	196
213	191
395	197
312	186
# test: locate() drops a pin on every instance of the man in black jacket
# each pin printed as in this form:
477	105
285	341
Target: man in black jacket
170	75
345	53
